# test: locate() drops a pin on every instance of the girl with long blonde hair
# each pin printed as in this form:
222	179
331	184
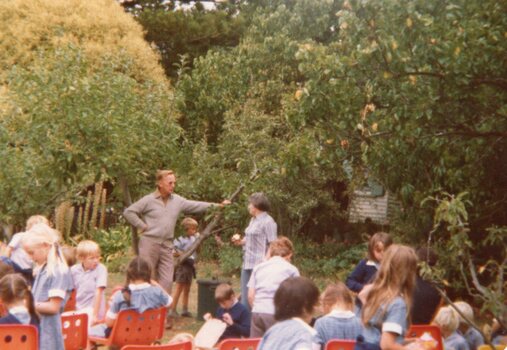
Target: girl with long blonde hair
51	285
385	313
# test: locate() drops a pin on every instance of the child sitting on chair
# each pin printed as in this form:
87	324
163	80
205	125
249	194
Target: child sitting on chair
232	312
90	281
18	300
339	322
448	321
295	301
471	335
140	294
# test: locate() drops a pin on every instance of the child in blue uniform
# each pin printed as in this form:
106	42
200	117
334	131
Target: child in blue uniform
340	322
18	300
295	301
140	294
471	335
448	321
51	283
385	308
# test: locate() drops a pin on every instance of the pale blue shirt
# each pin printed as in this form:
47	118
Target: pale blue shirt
183	243
291	334
86	284
455	342
473	338
394	320
337	324
265	280
261	231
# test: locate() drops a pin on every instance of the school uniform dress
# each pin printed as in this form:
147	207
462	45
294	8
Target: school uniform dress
51	286
337	325
455	342
394	320
473	338
265	280
143	297
86	283
362	274
291	334
186	270
241	321
19	315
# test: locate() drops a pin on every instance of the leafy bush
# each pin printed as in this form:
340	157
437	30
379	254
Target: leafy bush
114	245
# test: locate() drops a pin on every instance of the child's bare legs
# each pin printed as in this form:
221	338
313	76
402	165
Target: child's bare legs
179	287
186	292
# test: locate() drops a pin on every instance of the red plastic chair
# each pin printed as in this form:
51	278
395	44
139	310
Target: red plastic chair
18	337
70	305
416	331
133	328
187	345
3	310
340	344
239	344
75	331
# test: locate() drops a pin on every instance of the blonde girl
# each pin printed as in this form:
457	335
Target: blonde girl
339	321
385	313
51	285
18	300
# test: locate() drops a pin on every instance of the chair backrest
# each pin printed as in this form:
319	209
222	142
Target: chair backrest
187	345
75	331
487	347
70	305
18	337
239	344
339	344
417	331
133	328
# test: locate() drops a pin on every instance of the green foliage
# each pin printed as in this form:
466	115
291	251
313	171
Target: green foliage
187	32
114	245
481	276
230	259
67	124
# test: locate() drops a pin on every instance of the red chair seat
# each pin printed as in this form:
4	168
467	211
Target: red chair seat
133	328
339	344
239	344
18	337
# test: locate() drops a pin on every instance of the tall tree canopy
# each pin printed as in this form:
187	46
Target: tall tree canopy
82	97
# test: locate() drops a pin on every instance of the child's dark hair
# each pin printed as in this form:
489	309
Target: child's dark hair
223	292
5	269
138	269
294	297
379	237
13	288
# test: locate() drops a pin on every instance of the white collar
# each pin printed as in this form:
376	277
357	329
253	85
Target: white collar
341	313
306	325
371	263
18	310
140	286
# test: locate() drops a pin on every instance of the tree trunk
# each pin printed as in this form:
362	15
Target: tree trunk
127	201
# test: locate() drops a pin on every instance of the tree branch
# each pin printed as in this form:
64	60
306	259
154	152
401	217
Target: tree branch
209	229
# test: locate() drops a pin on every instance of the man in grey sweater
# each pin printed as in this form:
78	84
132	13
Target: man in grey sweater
155	217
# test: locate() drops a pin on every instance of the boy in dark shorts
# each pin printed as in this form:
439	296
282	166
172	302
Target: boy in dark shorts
185	272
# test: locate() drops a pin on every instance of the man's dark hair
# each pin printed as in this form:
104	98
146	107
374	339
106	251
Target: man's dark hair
294	297
260	201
